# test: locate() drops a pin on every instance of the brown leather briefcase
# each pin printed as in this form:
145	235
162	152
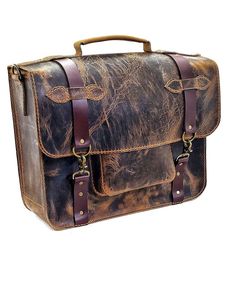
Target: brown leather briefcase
101	136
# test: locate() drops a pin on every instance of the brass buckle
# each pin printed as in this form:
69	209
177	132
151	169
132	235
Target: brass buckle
183	155
80	173
188	142
83	167
85	154
188	139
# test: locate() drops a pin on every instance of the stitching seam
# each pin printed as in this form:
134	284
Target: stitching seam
196	84
92	181
108	191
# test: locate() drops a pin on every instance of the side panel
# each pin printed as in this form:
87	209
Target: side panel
29	156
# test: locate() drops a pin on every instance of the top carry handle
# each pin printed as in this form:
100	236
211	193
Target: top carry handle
146	43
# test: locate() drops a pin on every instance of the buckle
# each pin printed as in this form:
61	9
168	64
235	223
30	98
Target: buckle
83	167
181	156
84	154
188	142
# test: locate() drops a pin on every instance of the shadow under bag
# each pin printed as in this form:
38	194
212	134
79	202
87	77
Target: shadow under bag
100	136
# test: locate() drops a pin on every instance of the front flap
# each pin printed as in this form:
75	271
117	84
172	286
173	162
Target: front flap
135	102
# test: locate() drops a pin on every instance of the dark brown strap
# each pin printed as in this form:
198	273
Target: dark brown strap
190	97
178	183
80	199
80	106
81	140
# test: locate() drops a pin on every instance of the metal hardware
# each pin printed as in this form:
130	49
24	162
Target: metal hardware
83	167
81	141
188	142
79	155
80	173
188	139
183	155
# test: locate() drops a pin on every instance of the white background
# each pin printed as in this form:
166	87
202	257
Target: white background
185	249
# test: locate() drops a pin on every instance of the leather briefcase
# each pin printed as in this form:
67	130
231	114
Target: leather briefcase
100	136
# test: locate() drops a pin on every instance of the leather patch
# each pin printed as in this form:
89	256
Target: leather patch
178	86
61	94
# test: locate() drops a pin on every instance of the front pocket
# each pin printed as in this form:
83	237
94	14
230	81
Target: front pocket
117	173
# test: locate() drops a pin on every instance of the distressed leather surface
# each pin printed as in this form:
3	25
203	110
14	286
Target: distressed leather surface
122	172
136	111
59	189
28	153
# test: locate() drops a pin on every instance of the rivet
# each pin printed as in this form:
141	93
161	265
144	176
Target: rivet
178	173
81	183
180	164
81	140
190	127
177	192
81	212
81	194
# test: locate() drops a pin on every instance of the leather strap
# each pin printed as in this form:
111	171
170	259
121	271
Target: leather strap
80	106
146	43
190	97
178	183
81	140
81	214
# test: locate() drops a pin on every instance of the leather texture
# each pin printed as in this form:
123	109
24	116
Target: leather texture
80	204
146	43
135	129
178	183
59	191
79	106
122	78
190	95
81	141
190	104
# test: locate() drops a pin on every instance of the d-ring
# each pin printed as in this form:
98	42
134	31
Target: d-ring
80	173
190	139
81	154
